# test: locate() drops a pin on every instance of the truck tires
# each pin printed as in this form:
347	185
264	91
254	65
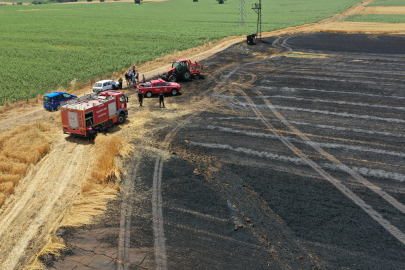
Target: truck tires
121	118
187	75
174	91
149	94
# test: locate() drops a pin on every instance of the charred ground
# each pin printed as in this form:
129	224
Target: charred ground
236	189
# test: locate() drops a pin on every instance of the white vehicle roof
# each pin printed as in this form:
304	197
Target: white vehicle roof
103	81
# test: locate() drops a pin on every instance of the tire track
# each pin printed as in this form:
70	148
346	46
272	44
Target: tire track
41	203
355	175
157	201
124	238
338	184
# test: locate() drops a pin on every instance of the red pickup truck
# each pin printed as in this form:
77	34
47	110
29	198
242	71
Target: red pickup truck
155	86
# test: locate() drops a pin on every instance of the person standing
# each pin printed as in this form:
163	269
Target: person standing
161	99
143	78
140	98
120	83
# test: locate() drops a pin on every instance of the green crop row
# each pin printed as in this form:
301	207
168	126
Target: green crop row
45	47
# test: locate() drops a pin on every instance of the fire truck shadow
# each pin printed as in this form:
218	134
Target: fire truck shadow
72	138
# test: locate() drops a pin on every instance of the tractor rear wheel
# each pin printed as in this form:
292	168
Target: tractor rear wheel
187	75
173	78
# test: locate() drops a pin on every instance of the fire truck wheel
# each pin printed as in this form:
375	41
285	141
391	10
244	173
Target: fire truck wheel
121	118
174	92
187	75
148	94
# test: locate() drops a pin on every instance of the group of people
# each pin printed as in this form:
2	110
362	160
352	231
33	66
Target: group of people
161	98
132	76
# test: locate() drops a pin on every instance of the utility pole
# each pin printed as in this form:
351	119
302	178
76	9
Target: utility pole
242	13
257	7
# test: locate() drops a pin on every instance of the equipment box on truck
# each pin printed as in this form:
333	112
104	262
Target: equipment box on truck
84	115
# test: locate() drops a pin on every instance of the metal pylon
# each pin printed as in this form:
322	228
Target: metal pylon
242	13
257	7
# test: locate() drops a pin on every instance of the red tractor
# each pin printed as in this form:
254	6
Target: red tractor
183	69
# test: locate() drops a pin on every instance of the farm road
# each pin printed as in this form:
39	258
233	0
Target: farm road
297	162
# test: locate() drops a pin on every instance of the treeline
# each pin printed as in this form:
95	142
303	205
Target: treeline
39	2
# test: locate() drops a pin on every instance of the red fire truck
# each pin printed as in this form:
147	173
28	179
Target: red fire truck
91	113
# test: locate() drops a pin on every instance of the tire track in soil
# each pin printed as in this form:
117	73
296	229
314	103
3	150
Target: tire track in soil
124	238
276	241
157	202
338	184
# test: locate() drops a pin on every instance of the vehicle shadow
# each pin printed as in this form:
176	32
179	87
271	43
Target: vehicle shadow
71	138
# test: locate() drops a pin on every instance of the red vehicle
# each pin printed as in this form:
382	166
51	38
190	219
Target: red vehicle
183	69
91	113
155	86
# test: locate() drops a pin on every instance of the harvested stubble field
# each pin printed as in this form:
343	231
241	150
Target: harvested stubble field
45	47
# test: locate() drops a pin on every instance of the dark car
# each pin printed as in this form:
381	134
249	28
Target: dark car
53	100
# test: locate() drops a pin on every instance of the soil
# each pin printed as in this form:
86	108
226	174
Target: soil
285	160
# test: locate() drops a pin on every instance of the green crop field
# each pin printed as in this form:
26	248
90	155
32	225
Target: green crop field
383	18
387	3
44	47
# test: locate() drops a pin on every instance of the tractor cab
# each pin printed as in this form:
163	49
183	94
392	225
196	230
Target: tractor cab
180	64
184	70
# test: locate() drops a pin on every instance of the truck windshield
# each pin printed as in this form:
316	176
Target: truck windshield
176	64
47	98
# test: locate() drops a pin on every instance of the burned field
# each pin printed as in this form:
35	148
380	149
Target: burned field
295	160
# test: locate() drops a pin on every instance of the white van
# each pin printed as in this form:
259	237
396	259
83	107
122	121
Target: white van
101	86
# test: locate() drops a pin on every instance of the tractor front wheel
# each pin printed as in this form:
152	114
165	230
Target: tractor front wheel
149	94
172	78
187	75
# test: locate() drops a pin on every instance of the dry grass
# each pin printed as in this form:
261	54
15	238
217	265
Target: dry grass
101	183
20	104
382	10
361	27
19	148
